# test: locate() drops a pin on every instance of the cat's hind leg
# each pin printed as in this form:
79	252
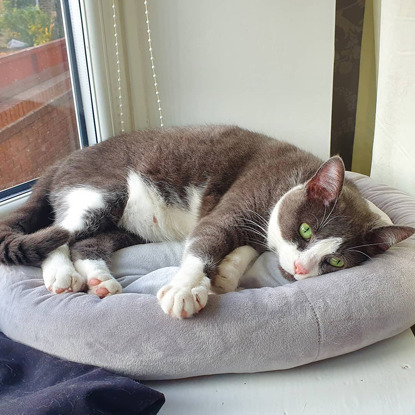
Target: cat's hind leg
98	277
81	211
59	274
91	258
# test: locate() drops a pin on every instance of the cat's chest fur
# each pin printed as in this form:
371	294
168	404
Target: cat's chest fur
149	215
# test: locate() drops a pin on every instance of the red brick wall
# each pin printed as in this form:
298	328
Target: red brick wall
27	63
30	145
20	105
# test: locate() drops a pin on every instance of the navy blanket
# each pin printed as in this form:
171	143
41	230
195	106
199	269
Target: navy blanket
35	383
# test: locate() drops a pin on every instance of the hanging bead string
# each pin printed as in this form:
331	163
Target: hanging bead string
153	68
117	55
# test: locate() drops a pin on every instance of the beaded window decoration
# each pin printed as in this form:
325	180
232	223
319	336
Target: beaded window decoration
117	57
153	68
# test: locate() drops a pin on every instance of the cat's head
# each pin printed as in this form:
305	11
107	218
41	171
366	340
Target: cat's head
325	225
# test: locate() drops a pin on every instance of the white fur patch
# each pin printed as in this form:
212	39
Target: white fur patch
312	256
288	252
148	215
59	273
92	268
77	202
97	269
232	267
188	291
274	237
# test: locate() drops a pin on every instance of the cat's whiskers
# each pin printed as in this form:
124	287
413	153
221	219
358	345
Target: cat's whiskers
260	217
360	252
361	246
254	241
317	221
256	224
333	218
247	228
324	218
273	250
332	209
242	223
256	231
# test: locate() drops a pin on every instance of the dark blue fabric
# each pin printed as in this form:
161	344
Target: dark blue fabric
35	383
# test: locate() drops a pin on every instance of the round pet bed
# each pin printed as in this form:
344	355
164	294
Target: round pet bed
252	330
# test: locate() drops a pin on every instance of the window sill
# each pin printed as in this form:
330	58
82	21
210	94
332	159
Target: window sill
12	204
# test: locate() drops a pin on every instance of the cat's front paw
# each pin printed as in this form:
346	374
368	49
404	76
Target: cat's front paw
232	267
181	299
227	279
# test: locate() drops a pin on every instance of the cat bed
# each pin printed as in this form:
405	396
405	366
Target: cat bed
278	326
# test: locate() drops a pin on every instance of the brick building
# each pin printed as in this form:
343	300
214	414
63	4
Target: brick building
37	117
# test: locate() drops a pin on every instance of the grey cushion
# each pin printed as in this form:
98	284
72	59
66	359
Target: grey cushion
278	326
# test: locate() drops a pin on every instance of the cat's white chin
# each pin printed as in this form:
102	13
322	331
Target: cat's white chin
287	275
300	277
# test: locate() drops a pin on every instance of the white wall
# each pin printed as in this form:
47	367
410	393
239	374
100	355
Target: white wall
265	65
394	142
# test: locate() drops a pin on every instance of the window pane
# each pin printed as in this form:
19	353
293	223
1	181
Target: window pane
37	115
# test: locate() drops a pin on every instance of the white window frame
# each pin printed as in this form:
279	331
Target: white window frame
82	82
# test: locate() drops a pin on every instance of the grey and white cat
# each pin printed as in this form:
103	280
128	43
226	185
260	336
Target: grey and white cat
231	193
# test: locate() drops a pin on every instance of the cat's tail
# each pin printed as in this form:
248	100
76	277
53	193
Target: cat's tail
27	236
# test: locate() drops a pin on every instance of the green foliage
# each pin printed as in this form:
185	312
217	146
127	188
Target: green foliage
58	31
28	24
40	34
18	4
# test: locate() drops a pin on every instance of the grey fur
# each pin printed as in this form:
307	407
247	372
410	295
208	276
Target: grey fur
243	175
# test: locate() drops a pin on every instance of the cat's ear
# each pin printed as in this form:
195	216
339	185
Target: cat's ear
327	183
381	239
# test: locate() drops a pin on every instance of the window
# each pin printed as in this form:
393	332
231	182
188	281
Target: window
87	61
38	121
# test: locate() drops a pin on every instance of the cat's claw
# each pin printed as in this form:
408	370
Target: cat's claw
104	286
182	300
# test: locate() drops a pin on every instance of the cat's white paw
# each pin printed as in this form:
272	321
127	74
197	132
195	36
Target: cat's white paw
232	267
181	299
59	273
104	286
100	280
64	279
228	277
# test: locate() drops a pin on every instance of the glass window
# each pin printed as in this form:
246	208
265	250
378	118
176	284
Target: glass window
37	116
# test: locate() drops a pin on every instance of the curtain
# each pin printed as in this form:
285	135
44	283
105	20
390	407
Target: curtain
348	37
393	159
366	103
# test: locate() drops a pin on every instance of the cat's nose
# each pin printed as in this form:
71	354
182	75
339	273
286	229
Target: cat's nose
299	268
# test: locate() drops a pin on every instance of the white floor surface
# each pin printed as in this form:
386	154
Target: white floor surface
378	380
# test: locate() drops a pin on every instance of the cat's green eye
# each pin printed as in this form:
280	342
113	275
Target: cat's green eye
305	231
336	262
